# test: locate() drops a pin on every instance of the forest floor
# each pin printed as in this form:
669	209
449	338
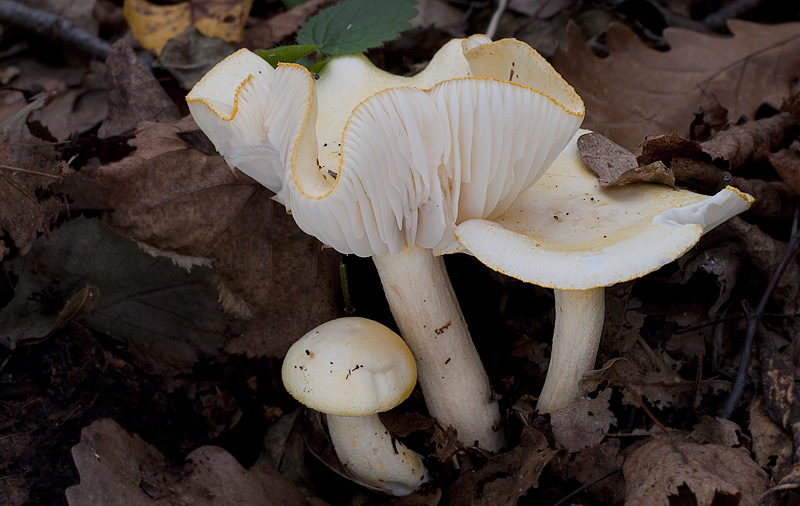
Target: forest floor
149	292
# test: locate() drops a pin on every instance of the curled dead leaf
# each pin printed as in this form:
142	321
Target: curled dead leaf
118	469
667	469
583	424
639	91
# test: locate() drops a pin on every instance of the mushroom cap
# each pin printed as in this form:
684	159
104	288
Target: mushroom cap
350	367
370	162
568	232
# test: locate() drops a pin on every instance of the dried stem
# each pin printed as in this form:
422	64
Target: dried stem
639	400
54	28
753	319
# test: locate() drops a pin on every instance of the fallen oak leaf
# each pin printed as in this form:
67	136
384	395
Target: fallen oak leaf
787	163
751	141
666	469
27	164
638	91
771	444
787	491
583	424
729	149
169	317
134	95
505	477
176	198
118	469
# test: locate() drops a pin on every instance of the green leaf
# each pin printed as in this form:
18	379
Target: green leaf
355	26
288	54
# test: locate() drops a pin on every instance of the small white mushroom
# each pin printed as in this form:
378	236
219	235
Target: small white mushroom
570	234
352	369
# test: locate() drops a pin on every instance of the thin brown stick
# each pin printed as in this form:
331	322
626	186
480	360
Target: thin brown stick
754	318
17	169
22	190
717	20
53	28
641	402
565	500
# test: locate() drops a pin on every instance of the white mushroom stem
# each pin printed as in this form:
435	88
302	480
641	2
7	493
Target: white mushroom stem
578	327
366	449
449	370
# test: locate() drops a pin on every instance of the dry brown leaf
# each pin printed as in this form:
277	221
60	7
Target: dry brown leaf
542	9
505	477
272	30
190	55
780	395
785	492
665	469
751	141
605	157
403	424
118	469
772	445
583	424
615	165
22	158
765	253
639	91
176	198
715	431
787	164
153	25
446	442
591	464
134	95
80	103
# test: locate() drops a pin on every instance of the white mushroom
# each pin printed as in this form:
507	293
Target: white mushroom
352	369
386	166
570	234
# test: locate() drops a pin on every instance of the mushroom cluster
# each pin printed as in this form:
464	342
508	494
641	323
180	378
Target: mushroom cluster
387	166
570	234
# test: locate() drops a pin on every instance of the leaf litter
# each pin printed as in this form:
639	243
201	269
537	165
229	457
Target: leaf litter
671	343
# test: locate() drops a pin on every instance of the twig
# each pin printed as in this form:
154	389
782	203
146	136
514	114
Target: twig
495	22
531	19
716	20
564	500
641	402
22	190
54	28
753	319
17	169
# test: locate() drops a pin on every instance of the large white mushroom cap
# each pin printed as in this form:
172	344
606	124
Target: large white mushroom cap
568	232
350	367
370	162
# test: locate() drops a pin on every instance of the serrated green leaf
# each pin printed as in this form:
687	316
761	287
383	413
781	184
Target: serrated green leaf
288	54
355	26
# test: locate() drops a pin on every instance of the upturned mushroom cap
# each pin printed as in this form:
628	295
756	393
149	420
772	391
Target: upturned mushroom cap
372	162
569	233
350	367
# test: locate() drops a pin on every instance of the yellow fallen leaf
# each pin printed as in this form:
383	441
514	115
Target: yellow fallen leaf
153	25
